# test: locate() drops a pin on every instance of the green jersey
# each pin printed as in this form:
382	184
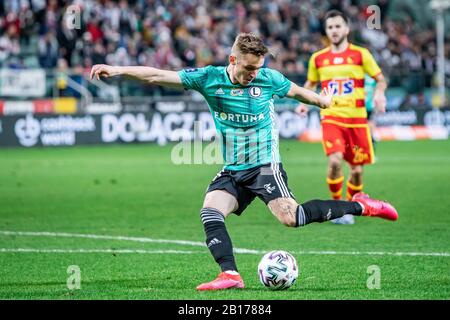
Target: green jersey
244	117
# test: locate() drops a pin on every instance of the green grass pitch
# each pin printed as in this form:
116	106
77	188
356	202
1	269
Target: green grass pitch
135	191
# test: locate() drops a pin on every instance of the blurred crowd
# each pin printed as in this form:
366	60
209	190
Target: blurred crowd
173	34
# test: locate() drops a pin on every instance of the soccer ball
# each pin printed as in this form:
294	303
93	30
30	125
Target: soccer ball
278	270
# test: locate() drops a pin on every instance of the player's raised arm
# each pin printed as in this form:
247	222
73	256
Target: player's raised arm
151	75
323	100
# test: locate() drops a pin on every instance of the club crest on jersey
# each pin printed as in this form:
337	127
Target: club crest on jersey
191	70
236	92
255	91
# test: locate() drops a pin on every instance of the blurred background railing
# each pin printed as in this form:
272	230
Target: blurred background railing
406	89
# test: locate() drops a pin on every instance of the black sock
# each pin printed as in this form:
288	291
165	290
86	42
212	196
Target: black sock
217	238
324	210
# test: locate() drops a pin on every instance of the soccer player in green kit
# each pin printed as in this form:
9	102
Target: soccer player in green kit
240	98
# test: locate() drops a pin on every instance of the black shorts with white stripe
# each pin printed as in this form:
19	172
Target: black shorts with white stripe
267	182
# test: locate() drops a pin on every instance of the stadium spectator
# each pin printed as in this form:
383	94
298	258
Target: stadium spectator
199	32
48	50
9	44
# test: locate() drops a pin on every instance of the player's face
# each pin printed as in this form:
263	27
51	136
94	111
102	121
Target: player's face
336	29
246	68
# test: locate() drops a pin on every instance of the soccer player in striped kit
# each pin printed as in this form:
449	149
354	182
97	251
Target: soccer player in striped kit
240	98
341	68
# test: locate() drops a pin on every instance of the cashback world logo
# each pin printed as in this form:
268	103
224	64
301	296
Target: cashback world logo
51	130
28	131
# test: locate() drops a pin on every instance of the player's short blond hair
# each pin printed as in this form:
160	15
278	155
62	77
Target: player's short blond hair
249	43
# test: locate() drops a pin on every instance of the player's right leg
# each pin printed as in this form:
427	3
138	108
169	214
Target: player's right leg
335	178
218	204
282	204
334	144
292	214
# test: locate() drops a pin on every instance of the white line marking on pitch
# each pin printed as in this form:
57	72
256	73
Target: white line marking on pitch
30	250
357	253
182	242
117	238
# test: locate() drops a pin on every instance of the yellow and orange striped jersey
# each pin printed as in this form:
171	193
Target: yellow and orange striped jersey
343	74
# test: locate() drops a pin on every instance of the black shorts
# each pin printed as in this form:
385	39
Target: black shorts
268	182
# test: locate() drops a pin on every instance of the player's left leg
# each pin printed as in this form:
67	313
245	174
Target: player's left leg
355	181
218	204
224	196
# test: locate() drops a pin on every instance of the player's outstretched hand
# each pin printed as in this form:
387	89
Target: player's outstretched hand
379	101
103	70
302	110
326	98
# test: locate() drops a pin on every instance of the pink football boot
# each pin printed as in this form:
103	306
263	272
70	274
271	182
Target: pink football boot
375	208
223	281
